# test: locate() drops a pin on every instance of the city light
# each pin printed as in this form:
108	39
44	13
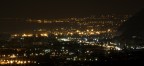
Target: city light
44	34
89	41
27	35
13	56
3	62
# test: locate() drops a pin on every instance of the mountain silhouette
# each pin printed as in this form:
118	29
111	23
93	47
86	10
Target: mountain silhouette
133	27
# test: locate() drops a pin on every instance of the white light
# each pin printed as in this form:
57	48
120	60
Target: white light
28	61
96	59
11	61
117	48
34	61
64	39
25	62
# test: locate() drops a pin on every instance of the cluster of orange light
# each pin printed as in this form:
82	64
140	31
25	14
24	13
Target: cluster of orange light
30	35
4	62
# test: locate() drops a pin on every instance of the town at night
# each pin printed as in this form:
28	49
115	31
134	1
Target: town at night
71	33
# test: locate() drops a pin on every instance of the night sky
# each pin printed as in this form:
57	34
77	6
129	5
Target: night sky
64	8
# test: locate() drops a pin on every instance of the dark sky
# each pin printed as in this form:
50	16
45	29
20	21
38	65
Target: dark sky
62	8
